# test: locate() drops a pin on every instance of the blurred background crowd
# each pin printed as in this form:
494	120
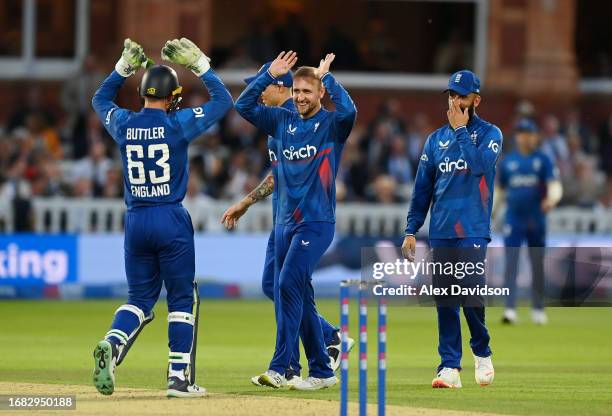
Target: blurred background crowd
73	155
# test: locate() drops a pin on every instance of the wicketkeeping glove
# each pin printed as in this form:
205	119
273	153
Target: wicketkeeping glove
185	52
132	58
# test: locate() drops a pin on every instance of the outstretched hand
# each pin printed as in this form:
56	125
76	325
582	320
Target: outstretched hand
283	63
324	64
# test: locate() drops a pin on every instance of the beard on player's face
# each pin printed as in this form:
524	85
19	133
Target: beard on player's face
304	105
465	101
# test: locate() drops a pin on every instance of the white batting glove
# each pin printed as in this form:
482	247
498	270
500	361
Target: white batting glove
132	58
186	53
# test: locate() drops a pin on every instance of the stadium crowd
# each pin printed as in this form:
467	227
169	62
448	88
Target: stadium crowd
73	156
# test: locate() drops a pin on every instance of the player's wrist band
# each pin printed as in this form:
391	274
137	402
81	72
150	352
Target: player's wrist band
270	73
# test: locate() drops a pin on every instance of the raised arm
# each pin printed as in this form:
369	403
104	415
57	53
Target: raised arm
232	214
248	105
132	58
346	111
195	121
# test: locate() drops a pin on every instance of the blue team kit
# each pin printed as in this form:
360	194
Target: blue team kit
159	245
306	158
454	181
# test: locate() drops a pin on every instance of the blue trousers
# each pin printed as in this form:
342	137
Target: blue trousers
267	285
519	230
298	248
159	249
449	319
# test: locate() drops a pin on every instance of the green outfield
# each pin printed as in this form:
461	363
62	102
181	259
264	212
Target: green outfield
563	368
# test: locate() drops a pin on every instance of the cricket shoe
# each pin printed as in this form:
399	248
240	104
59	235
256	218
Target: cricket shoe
272	379
293	379
335	348
483	370
510	317
447	378
314	383
178	387
538	316
255	381
105	358
290	375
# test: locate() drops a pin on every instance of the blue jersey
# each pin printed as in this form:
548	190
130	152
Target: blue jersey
456	175
525	178
272	151
153	143
307	151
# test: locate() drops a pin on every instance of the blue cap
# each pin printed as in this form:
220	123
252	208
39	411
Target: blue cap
526	124
464	82
284	80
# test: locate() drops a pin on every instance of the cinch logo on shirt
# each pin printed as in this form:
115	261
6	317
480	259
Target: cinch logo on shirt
305	152
272	155
518	181
449	166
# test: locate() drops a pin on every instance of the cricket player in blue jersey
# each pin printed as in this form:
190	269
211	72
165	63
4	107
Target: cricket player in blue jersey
308	150
456	176
279	94
529	182
159	246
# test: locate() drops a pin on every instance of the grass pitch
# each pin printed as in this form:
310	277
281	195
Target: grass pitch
562	368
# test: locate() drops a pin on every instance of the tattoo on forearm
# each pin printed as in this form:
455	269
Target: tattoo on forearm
265	188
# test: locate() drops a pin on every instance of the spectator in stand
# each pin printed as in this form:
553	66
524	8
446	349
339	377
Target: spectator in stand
398	163
240	179
384	190
554	144
417	134
351	170
50	175
573	126
197	202
113	186
75	98
94	168
585	185
390	111
38	135
18	191
378	148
